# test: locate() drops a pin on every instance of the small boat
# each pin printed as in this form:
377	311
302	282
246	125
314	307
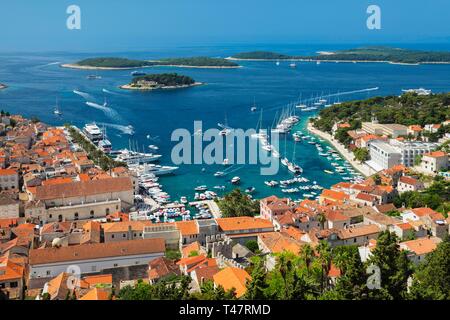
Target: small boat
201	188
183	200
153	147
293	65
328	171
236	180
219	174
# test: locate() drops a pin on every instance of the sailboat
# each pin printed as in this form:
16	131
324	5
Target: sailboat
226	130
293	65
56	111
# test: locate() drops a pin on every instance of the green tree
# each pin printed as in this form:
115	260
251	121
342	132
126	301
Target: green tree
238	204
173	254
252	245
394	267
361	154
432	279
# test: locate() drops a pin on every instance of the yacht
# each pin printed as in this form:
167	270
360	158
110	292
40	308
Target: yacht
134	157
153	147
93	133
93	77
295	168
293	65
328	171
219	174
201	188
158	170
56	111
250	190
285	162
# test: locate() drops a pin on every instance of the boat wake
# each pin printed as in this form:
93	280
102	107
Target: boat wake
85	95
123	129
111	113
51	63
109	92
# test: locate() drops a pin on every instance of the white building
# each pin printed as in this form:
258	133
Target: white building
93	258
433	162
384	155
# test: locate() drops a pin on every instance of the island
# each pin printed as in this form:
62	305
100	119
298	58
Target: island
160	81
108	64
196	62
111	63
364	54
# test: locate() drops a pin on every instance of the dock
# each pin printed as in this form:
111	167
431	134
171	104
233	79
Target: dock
212	206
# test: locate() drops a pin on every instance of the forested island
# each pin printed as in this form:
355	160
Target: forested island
408	109
365	54
123	63
160	81
196	62
108	64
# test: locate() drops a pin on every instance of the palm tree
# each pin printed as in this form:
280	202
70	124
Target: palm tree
325	257
322	219
307	255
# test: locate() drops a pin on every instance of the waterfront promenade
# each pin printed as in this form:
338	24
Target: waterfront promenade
362	168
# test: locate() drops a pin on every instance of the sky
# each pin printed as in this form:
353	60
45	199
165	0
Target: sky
109	25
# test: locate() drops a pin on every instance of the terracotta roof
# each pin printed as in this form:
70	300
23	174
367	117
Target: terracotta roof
366	197
384	208
96	294
404	226
10	270
336	216
98	279
293	232
436	154
420	246
235	278
123	226
359	231
421	212
334	195
7	172
162	267
83	188
408	180
277	242
187	227
189	261
243	223
206	272
96	251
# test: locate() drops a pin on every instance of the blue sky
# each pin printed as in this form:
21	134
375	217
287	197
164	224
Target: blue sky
140	24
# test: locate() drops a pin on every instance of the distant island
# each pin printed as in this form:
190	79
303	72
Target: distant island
123	63
365	54
108	64
160	81
196	62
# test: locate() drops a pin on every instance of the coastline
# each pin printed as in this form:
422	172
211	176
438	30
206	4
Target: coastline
75	66
362	168
341	61
129	87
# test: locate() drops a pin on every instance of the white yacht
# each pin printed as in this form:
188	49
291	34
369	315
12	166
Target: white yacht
158	170
134	157
236	180
105	145
93	132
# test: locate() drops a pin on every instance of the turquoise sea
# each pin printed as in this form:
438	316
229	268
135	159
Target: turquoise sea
36	80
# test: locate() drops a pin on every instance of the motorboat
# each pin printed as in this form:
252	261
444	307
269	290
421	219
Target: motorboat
236	180
201	188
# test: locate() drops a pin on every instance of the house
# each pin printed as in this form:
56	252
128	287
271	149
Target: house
434	162
82	200
11	278
277	242
384	222
242	229
337	126
406	183
358	235
160	268
336	220
93	258
406	230
337	197
272	206
9	179
414	130
167	231
366	199
9	208
204	273
232	278
121	231
419	248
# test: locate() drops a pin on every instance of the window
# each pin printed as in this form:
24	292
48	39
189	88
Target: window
75	216
48	272
116	265
60	218
13	284
107	210
94	268
124	235
112	236
92	213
